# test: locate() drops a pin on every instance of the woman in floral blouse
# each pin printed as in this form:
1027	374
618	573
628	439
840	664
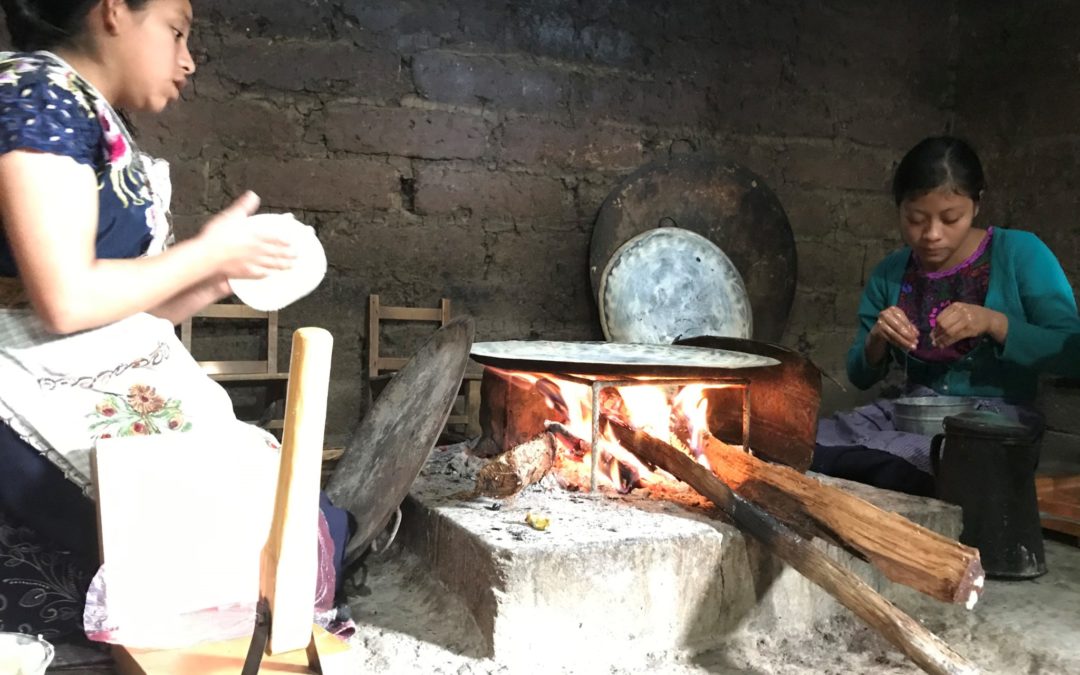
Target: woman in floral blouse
962	310
89	288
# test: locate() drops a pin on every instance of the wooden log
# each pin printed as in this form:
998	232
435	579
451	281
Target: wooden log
290	557
927	650
517	468
905	552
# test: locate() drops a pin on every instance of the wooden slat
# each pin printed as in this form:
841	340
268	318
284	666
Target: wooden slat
234	367
392	363
249	377
373	337
227	658
1061	508
185	333
272	343
444	311
378	312
290	560
1061	525
388	313
1050	484
379	366
223	311
1059	503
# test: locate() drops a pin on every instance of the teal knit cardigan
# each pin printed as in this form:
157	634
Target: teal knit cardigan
1028	285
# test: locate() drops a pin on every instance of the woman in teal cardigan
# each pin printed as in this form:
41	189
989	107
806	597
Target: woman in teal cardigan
962	310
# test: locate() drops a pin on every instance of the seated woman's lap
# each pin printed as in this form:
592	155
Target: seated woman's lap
51	513
872	467
35	494
48	543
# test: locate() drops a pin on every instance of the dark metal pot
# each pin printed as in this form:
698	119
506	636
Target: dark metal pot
986	464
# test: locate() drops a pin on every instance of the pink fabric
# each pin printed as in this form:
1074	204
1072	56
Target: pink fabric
213	623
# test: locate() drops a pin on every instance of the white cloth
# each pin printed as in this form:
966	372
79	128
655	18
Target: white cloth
131	378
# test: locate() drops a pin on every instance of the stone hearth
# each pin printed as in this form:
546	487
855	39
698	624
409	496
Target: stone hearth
613	577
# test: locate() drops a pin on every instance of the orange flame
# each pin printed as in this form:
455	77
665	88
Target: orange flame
676	414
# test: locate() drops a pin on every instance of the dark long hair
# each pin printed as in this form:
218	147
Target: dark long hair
44	24
939	162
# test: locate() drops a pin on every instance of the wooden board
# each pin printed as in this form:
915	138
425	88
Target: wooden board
1059	503
227	658
290	557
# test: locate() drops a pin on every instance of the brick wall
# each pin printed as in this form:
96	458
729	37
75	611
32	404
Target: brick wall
463	148
1019	97
1020	100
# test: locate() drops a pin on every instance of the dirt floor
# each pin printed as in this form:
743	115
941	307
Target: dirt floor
409	625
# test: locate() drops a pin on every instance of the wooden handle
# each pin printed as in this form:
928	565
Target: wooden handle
927	650
290	557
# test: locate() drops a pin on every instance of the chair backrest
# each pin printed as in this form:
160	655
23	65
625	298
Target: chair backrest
238	367
378	312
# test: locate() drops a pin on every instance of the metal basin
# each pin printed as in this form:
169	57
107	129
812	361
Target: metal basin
925	414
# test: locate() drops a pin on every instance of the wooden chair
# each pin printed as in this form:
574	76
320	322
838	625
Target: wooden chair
381	367
248	373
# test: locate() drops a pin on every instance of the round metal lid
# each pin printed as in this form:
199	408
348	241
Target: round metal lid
613	358
670	284
722	201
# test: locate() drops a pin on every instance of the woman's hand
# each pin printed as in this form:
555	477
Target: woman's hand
240	250
892	327
961	320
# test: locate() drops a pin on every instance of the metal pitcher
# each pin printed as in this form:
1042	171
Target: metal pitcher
986	463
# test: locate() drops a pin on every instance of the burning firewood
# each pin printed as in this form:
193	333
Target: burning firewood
920	645
904	551
516	469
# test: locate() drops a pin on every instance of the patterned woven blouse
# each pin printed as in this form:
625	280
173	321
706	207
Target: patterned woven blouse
46	106
924	295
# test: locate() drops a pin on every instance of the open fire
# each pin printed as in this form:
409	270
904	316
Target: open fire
605	433
672	410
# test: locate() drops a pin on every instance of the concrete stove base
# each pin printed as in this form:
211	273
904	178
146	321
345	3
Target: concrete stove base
614	579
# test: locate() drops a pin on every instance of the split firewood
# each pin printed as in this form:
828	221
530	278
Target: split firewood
516	469
927	650
905	552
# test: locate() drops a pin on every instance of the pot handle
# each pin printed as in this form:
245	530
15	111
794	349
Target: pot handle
935	452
